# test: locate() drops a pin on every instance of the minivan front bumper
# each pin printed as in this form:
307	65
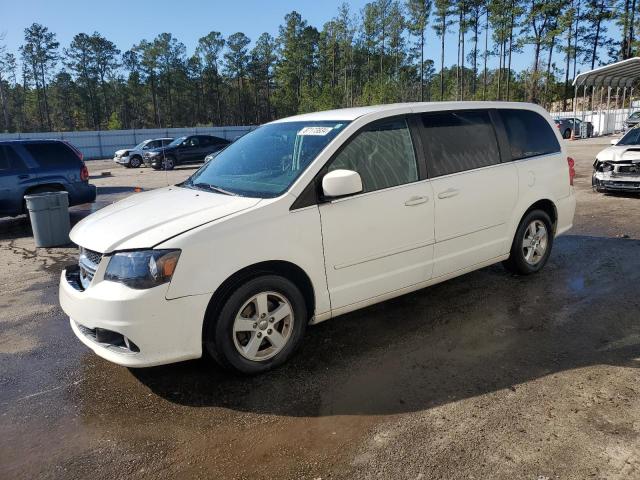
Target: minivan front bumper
605	181
133	328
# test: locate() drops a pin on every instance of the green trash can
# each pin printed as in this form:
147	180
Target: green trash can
49	214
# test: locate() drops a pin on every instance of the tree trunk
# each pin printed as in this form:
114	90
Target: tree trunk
486	54
422	66
566	73
510	51
462	32
500	65
475	51
548	79
533	96
631	29
3	101
575	40
594	50
46	102
443	25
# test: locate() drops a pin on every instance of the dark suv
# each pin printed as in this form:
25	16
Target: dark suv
191	149
34	166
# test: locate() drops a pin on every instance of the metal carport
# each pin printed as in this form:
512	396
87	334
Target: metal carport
617	75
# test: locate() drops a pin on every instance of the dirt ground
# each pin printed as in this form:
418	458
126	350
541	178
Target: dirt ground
484	376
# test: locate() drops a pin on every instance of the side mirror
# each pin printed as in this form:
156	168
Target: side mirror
614	141
339	183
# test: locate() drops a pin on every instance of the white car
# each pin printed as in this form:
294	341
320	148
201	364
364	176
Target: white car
132	157
313	216
617	168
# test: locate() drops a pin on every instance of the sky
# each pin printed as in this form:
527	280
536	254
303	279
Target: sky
127	22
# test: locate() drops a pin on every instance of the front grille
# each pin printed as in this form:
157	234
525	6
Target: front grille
88	263
93	257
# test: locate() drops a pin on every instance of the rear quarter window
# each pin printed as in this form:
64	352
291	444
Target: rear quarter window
529	134
52	154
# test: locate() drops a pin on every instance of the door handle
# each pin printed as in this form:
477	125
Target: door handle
451	192
416	200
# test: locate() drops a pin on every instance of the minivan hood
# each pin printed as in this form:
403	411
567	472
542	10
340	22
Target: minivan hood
144	220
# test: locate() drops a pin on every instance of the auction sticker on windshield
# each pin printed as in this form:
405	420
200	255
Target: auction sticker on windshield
317	131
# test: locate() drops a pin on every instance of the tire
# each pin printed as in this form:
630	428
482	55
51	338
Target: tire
567	134
168	163
528	260
135	162
240	336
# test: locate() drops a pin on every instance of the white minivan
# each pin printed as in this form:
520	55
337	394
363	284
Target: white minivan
313	216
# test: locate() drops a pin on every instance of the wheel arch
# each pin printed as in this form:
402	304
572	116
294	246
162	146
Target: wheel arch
546	206
284	268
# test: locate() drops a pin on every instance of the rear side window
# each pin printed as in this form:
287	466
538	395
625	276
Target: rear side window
9	159
529	134
382	154
51	154
5	164
459	141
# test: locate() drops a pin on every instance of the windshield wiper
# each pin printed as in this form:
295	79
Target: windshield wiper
212	188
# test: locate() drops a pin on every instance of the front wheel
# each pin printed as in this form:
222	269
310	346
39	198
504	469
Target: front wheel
168	163
531	245
259	326
135	162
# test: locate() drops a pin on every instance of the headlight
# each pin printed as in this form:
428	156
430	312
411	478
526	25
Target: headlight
143	268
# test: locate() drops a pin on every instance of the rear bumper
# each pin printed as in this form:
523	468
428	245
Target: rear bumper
81	192
159	331
566	208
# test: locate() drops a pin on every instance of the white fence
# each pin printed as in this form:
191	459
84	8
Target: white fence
103	144
604	121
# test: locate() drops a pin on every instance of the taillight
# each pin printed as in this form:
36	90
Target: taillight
84	173
572	170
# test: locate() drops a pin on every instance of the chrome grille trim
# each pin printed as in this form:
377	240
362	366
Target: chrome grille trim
88	262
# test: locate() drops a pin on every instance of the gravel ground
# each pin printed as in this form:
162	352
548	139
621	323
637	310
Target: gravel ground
484	376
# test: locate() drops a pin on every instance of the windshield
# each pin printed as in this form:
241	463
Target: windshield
635	115
265	162
141	145
177	141
631	138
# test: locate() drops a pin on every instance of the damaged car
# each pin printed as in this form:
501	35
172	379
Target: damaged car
617	168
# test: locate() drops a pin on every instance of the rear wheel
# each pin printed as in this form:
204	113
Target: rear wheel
567	133
259	326
531	245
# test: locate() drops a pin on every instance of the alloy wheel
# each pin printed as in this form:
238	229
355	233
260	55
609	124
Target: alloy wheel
535	242
263	326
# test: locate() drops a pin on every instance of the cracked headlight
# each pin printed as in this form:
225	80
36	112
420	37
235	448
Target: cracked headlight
142	269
